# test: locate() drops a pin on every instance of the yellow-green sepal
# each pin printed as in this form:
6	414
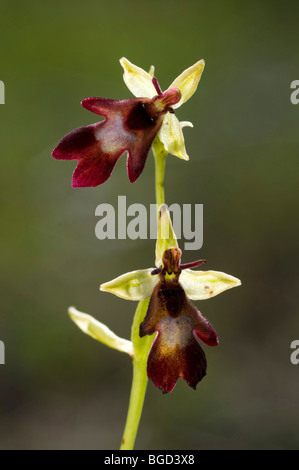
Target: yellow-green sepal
171	135
187	82
166	237
99	331
138	80
201	285
135	285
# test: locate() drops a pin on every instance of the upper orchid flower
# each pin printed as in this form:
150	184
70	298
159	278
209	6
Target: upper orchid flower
141	83
175	351
130	125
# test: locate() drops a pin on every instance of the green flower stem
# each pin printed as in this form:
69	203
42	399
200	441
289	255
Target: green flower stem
142	346
160	156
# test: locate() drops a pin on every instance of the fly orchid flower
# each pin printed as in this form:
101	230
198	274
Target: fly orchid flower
130	125
142	83
175	351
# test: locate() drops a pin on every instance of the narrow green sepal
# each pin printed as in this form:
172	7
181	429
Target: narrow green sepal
135	285
99	331
166	237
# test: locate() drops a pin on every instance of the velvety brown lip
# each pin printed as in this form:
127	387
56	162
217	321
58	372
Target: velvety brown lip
176	351
129	126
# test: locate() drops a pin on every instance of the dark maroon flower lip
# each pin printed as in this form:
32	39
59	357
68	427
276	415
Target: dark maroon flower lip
129	126
175	351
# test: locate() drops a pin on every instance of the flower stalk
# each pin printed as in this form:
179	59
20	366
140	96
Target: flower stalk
160	159
141	346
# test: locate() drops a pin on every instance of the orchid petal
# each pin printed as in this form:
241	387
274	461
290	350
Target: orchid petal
152	71
186	124
187	82
135	285
138	80
166	237
172	136
99	331
200	285
175	351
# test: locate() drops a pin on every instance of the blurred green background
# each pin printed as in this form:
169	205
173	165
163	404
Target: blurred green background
60	389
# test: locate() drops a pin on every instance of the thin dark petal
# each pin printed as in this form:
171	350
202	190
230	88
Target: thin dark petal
175	352
100	106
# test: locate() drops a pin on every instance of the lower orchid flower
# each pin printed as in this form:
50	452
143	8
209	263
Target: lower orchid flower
130	125
175	351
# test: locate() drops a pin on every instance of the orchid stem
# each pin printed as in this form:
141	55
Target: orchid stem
160	156
142	346
141	350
